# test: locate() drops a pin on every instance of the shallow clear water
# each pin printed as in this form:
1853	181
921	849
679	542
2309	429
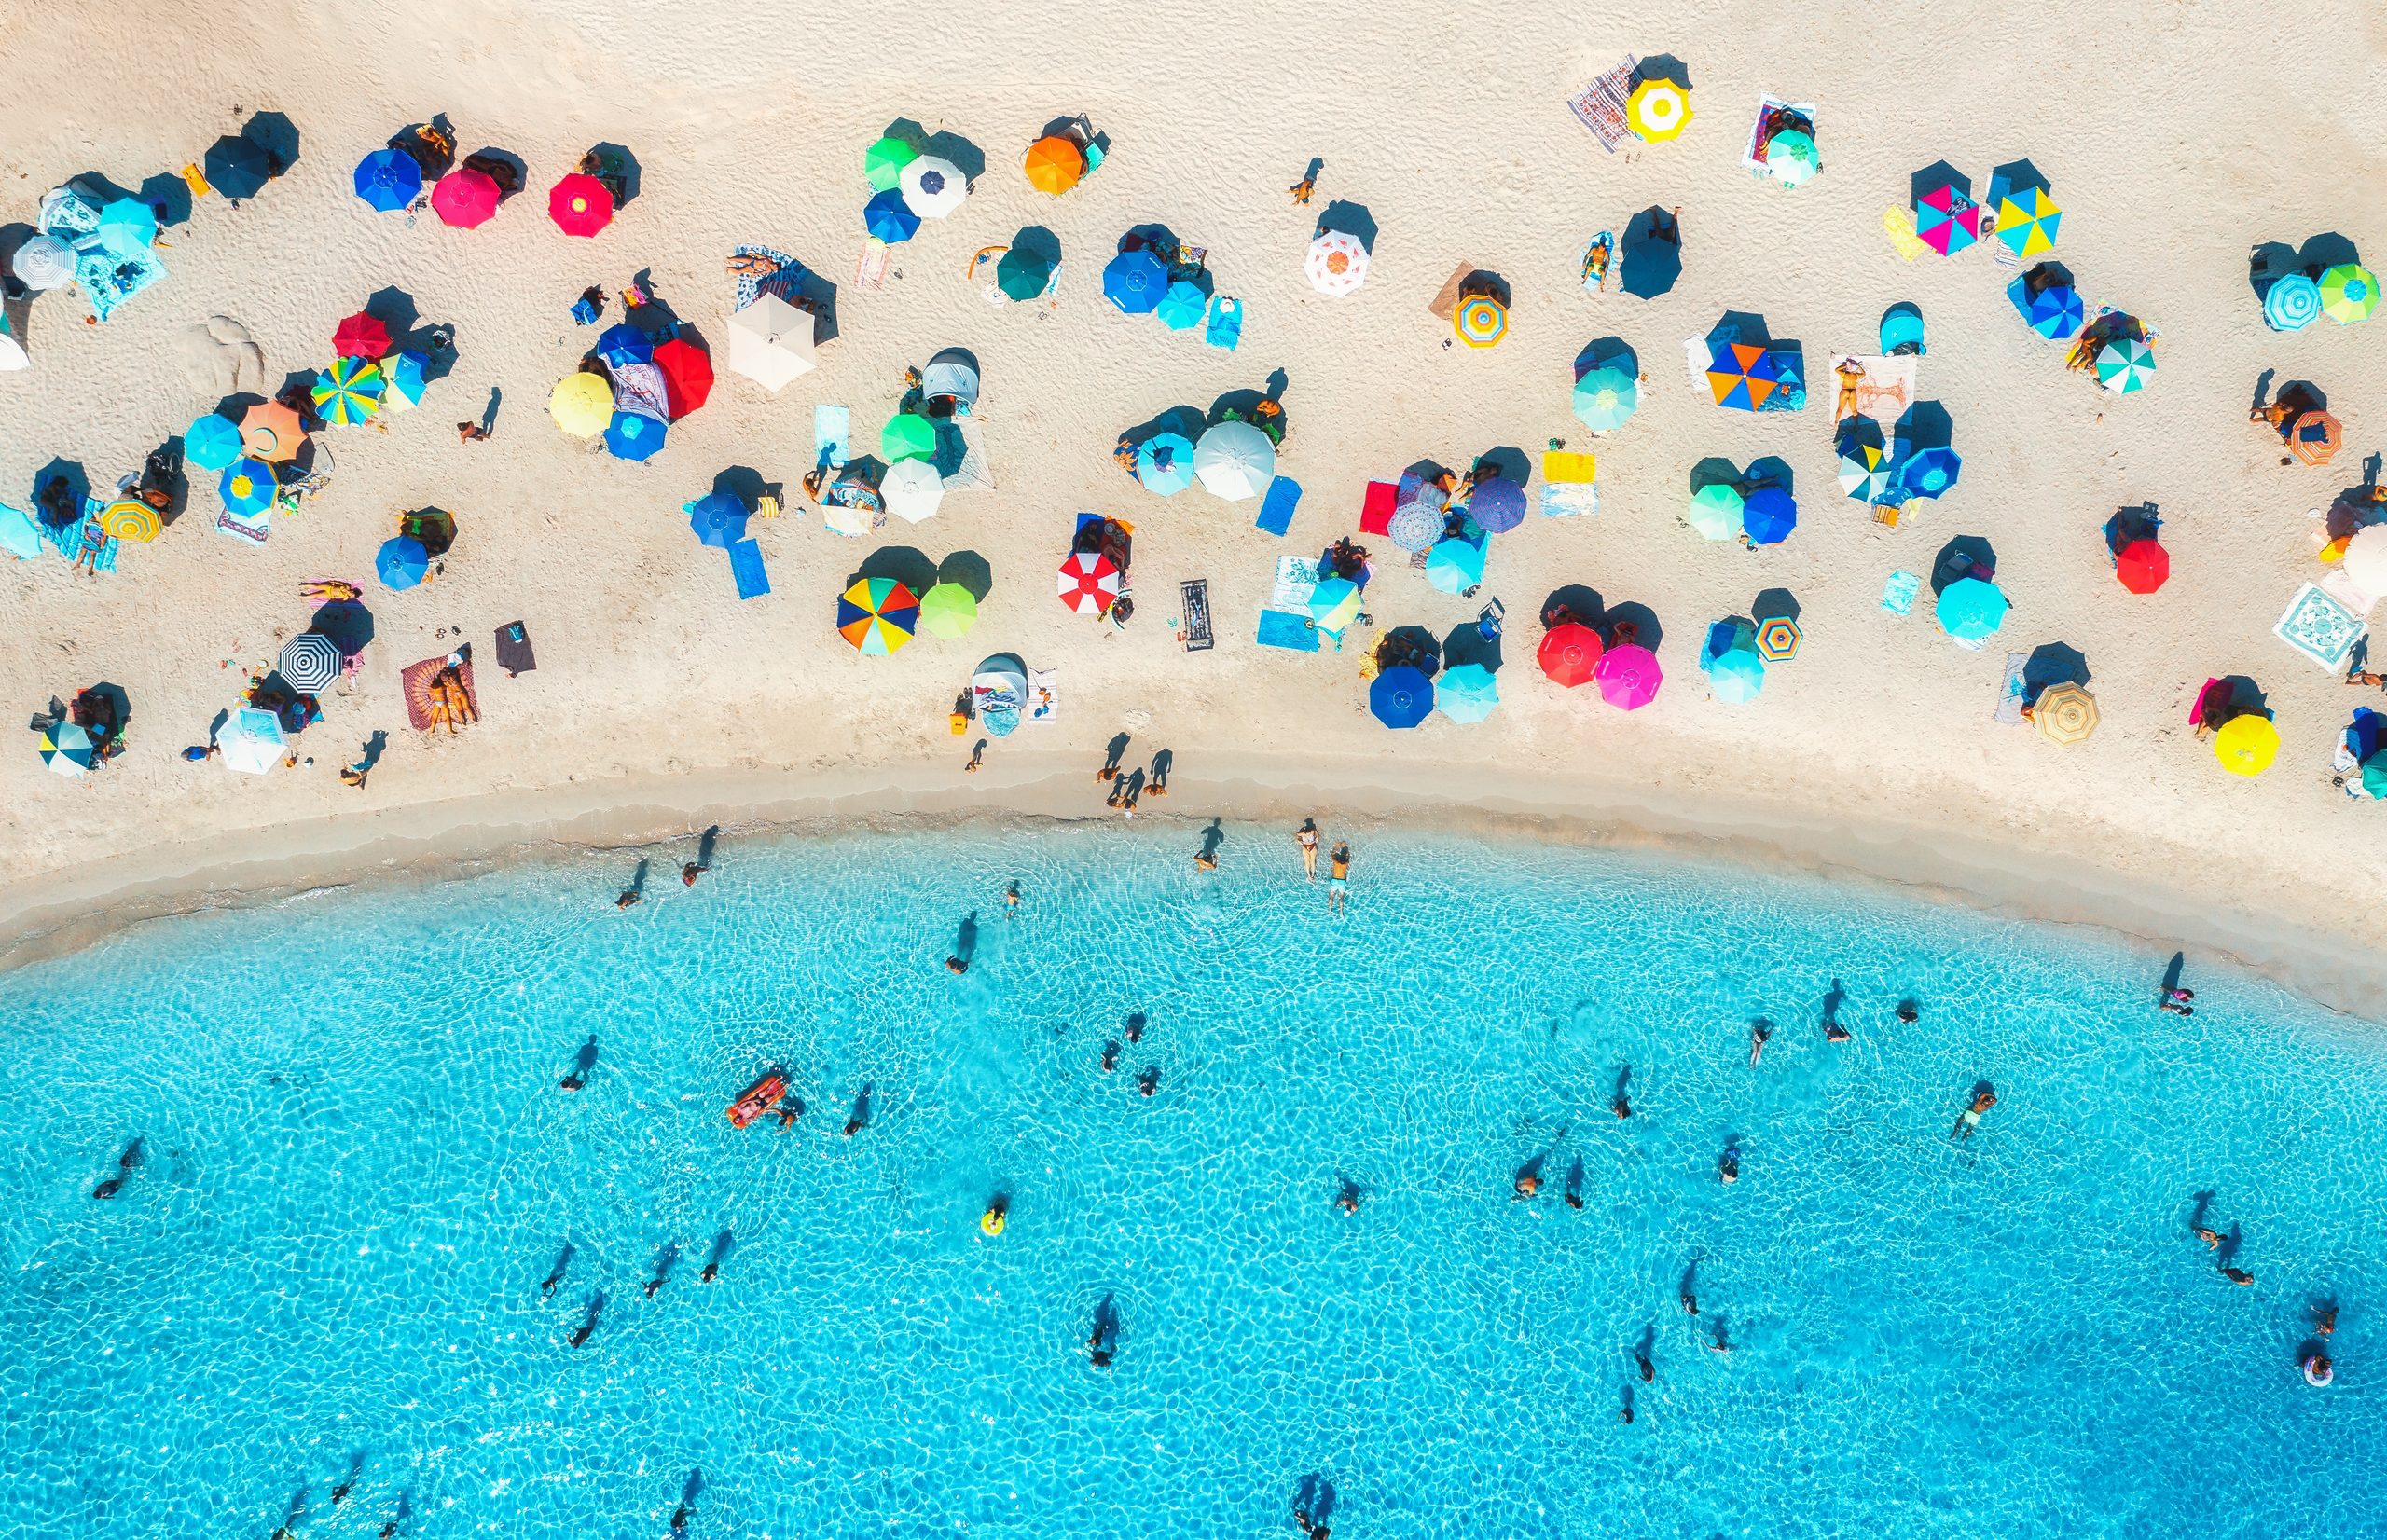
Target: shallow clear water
357	1169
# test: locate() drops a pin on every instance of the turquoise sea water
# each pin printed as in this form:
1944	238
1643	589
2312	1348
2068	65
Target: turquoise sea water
356	1168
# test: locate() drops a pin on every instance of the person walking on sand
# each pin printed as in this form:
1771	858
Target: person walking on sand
471	433
1306	837
1306	188
1338	877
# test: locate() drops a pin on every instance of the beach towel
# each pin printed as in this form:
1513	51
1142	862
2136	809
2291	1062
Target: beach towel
1296	579
1898	223
1569	499
1600	105
1446	301
1225	327
1753	154
514	650
870	269
250	526
974	470
1194	597
2319	628
2010	690
1277	507
1568	465
833	429
1897	594
1869	385
746	570
787	283
1375	511
83	537
414	681
1043	695
1288	629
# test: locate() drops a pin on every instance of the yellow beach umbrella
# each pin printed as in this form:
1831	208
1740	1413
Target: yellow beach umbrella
2065	713
1658	110
129	518
2246	746
581	405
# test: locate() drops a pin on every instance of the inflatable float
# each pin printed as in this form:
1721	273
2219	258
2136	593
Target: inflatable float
759	1099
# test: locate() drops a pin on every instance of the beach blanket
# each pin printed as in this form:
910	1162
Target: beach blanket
1043	695
1753	154
1897	594
1277	507
1225	327
746	570
250	526
2010	690
1375	511
833	429
1446	299
1868	385
514	650
2319	628
414	682
1600	105
870	269
787	283
1287	629
83	537
1296	579
1898	223
1193	596
974	470
1569	499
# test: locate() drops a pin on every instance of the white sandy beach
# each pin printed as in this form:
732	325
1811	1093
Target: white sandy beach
2175	138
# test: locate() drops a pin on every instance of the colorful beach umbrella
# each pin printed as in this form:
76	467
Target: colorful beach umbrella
1496	505
1947	220
580	204
2027	221
1024	272
770	342
270	432
67	749
1480	321
1741	374
2142	565
581	405
907	435
932	187
251	741
247	487
2125	365
1164	463
1400	697
1735	675
622	343
634	435
1337	263
1334	603
948	611
1454	566
1971	610
1183	306
212	442
1928	472
1089	581
1716	510
1628	676
2064	714
465	197
719	519
1658	110
1417	524
1777	639
309	661
2246	746
1467	693
2291	303
388	180
1791	158
1234	460
883	163
1135	281
911	490
1865	471
350	392
2315	438
403	381
361	336
2055	312
688	371
1055	164
129	519
1605	397
877	615
888	218
2349	293
1768	515
401	562
1570	653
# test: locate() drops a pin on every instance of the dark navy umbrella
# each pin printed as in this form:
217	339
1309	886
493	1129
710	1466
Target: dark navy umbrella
237	167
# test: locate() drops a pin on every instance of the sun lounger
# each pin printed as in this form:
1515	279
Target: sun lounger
1194	597
1276	508
746	568
1288	629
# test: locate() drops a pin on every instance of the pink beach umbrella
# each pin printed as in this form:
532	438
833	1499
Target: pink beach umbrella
465	197
1629	676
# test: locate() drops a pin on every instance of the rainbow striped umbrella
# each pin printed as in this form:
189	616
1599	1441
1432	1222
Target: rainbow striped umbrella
1480	321
877	615
348	392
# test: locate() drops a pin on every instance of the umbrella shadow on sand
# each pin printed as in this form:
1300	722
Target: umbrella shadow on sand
1957	560
1931	178
1344	217
169	195
1576	601
1769	471
1512	463
2052	664
348	623
970	571
1612	352
1467	643
1714	470
620	161
745	484
1652	254
396	309
1925	425
1411	645
1773	604
906	564
68	497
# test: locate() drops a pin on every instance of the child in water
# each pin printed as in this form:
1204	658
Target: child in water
1983	1101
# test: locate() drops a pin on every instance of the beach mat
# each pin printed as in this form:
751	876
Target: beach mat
1043	695
514	652
1600	106
1376	514
831	433
1276	508
1445	302
746	566
2009	690
1194	597
1286	630
414	681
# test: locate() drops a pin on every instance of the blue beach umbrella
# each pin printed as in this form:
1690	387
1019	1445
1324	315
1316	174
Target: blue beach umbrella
247	487
1467	693
2055	312
402	561
1734	676
2291	303
622	343
1164	463
1400	697
388	180
1971	610
1454	566
889	218
1135	281
1497	505
1334	603
1182	308
718	519
1768	516
403	381
633	436
212	442
128	226
1928	472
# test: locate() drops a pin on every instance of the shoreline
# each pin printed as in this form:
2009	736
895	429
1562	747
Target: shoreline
50	917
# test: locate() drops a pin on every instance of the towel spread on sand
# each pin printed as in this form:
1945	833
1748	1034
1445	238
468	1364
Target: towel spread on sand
1276	508
1296	579
1865	385
1600	106
833	429
1193	596
1569	499
414	681
746	570
2319	628
1753	154
2010	690
1375	511
1445	302
1284	628
1043	695
1897	594
514	652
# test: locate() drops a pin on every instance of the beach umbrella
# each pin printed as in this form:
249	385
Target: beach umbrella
1089	581
2142	566
770	342
1135	281
932	187
2246	746
388	180
2065	713
622	343
1497	505
2125	365
309	661
402	381
1928	472
719	519
581	405
2315	438
2055	312
2374	776
877	615
238	166
361	336
67	749
1480	321
1164	463
1777	639
1716	510
883	163
1741	374
1236	461
1415	525
271	431
1337	263
1628	676
1947	220
1865	471
1658	110
948	611
2365	561
20	533
1971	610
129	518
1024	272
2291	303
1454	566
1183	306
1467	693
126	225
350	392
1768	516
634	435
1735	675
1605	397
465	197
580	204
907	435
687	370
1791	158
247	487
1400	697
43	262
1334	603
212	442
2349	293
911	490
2027	221
401	562
1570	653
1055	164
251	740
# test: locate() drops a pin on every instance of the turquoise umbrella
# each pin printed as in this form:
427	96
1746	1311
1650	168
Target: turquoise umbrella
1971	610
1735	675
1182	308
1454	566
1334	603
1467	693
213	441
2125	365
1605	397
1164	463
2291	303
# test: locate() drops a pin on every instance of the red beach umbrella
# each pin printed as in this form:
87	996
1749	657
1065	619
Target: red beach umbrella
361	336
1089	581
687	373
580	205
1569	653
465	197
2142	565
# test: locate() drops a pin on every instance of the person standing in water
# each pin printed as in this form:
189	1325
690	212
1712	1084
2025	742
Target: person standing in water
1338	877
1306	837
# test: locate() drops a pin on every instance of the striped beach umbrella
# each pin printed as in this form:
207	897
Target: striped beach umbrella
1089	581
1480	321
2125	365
2349	293
1467	693
129	518
1334	603
1605	397
948	611
1337	263
212	442
247	487
350	392
1865	473
2027	221
1777	639
1741	374
2065	713
2315	438
877	615
1658	110
2291	303
1164	463
67	749
309	661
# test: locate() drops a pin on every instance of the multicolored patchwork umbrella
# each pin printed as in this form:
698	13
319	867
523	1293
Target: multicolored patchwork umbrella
1337	263
2027	221
1716	510
1089	581
2125	365
2065	713
948	611
1741	374
2349	293
309	661
1415	525
129	518
1480	321
1658	110
67	749
1777	639
350	392
1947	220
2291	303
877	615
1570	653
247	487
1606	398
2315	438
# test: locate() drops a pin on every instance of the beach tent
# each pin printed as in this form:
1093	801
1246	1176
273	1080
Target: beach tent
1337	263
580	204
911	490
877	615
1135	281
251	740
951	374
1400	697
770	342
1570	653
948	611
1164	463
1234	460
1467	693
1628	676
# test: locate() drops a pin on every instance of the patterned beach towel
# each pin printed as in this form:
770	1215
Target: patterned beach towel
2319	628
414	681
787	283
1600	105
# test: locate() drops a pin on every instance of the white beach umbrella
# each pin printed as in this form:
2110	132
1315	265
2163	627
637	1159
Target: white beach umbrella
2366	560
911	490
1236	461
251	741
1338	264
770	342
934	188
44	262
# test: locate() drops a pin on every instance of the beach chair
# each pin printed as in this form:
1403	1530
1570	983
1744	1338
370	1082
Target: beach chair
1902	330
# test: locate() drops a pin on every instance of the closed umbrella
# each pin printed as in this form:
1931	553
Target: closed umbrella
1454	566
2027	221
1928	472
1089	581
634	435
251	740
887	217
883	163
1768	516
401	562
1467	693
270	432
2291	303
948	611
350	392
1024	272
907	435
1658	110
687	370
1181	309
1716	510
1055	164
247	487
2125	365
911	490
580	204
2349	293
770	342
1234	460
1400	697
719	519
877	615
1337	263
1605	397
2065	713
2246	746
237	166
2142	566
361	336
1334	603
1628	676
1164	463
309	661
1971	610
403	381
465	197
1135	281
932	188
581	405
212	442
1570	653
388	180
1735	675
67	749
129	518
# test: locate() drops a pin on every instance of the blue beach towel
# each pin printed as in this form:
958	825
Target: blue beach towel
1227	324
1277	507
746	565
1286	630
832	435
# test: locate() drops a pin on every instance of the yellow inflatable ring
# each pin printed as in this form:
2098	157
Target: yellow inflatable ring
991	1222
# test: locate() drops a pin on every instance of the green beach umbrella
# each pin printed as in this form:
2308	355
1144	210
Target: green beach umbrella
2125	365
1022	273
1605	397
907	435
948	611
2349	294
1716	512
2374	774
885	160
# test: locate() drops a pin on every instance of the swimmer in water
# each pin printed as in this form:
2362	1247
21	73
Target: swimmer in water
1983	1100
712	1274
1135	1027
340	1494
1338	877
563	1262
680	1520
2325	1320
1574	1184
588	1326
1719	1342
790	1109
956	964
1727	1166
1649	1369
1690	1302
2212	1239
1621	1107
630	896
125	1164
2318	1369
1349	1199
2177	1001
1110	1055
688	875
1834	1032
2240	1276
1909	1011
1011	898
1528	1183
1759	1031
1147	1080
